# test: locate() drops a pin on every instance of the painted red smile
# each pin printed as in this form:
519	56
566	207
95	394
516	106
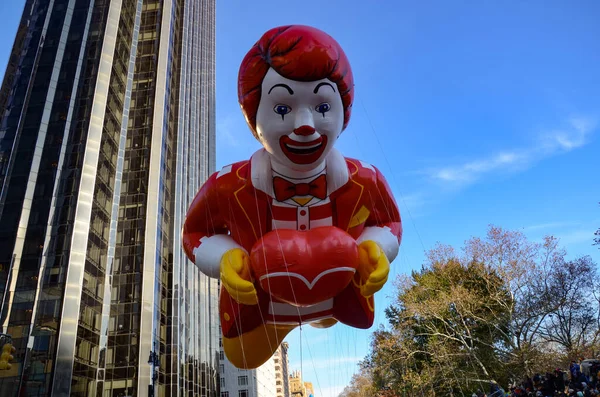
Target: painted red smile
303	152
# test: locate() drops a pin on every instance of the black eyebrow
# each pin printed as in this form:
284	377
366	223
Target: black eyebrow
321	85
287	87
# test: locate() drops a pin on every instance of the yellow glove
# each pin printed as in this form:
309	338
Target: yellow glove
235	276
373	267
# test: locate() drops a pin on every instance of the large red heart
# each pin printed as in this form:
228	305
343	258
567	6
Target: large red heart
305	267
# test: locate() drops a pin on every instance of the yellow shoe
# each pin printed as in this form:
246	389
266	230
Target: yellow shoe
252	349
325	323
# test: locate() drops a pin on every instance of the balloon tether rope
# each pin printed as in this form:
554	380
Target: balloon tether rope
301	363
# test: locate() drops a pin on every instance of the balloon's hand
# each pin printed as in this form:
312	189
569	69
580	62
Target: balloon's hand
236	278
373	267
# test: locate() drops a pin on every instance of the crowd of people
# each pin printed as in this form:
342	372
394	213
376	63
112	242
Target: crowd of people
581	380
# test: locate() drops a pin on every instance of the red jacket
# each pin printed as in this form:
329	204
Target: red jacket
237	201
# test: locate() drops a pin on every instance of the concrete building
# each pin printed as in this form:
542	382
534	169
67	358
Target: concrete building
107	129
235	382
282	376
297	386
310	391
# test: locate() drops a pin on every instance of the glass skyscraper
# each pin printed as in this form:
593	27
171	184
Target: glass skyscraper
107	129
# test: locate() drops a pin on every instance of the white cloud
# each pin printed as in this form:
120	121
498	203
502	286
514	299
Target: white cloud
569	233
573	136
577	236
549	225
471	171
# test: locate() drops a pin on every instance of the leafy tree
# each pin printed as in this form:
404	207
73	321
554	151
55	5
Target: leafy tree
573	325
448	336
501	309
361	385
526	268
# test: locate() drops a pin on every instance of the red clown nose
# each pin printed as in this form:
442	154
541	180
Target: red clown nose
305	130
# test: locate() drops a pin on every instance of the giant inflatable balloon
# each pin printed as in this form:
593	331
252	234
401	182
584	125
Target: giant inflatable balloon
298	234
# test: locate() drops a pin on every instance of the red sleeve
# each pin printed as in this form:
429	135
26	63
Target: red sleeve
204	218
383	225
385	210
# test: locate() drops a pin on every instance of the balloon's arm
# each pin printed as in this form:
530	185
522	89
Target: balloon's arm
205	236
384	225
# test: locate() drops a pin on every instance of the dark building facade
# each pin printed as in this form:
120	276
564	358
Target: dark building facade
107	123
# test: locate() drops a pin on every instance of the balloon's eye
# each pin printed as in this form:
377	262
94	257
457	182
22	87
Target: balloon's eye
323	108
282	110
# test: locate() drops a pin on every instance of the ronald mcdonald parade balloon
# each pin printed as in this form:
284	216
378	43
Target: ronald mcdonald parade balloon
298	234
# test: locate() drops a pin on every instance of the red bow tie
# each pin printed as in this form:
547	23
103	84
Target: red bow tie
285	190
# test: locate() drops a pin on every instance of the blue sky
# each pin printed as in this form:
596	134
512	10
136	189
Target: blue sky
477	113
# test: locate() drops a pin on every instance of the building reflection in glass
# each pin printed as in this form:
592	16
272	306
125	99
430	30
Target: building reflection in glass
107	126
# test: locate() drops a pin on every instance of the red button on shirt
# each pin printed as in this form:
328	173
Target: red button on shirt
302	227
303	212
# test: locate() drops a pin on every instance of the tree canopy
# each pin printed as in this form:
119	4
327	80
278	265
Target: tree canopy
500	308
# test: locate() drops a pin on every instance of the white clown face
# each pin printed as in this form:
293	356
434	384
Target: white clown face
298	122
